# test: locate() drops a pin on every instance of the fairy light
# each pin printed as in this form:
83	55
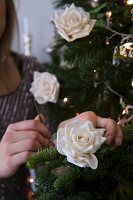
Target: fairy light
90	42
31	180
65	100
126	118
124	111
107	42
96	78
108	14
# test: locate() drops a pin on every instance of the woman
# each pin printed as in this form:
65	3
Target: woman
20	139
20	134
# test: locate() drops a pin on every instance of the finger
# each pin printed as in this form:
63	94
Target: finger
20	158
22	146
111	130
113	133
110	135
102	122
118	139
109	139
40	118
30	125
13	137
88	115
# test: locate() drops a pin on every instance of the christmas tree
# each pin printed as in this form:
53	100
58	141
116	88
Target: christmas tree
92	58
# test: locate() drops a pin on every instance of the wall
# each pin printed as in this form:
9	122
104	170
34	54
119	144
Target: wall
38	13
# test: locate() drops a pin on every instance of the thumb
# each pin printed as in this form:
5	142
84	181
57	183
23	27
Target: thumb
40	117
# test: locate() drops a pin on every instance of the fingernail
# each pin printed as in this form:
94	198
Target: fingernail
46	142
40	118
118	142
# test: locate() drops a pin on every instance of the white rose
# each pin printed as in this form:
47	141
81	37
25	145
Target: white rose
45	87
74	23
79	141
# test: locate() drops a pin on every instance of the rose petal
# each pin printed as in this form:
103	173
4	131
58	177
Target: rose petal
92	161
45	87
74	23
78	141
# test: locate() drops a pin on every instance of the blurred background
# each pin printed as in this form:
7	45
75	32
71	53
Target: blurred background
34	16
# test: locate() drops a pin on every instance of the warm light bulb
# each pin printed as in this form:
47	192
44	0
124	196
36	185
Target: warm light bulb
124	112
31	180
108	14
107	42
129	2
65	100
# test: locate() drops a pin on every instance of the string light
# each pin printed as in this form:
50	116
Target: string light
96	78
30	184
124	111
127	116
65	100
108	14
107	42
108	27
31	180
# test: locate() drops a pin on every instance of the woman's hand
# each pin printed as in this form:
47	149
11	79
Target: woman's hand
19	142
113	132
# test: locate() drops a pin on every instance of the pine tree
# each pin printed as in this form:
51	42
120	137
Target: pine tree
95	73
